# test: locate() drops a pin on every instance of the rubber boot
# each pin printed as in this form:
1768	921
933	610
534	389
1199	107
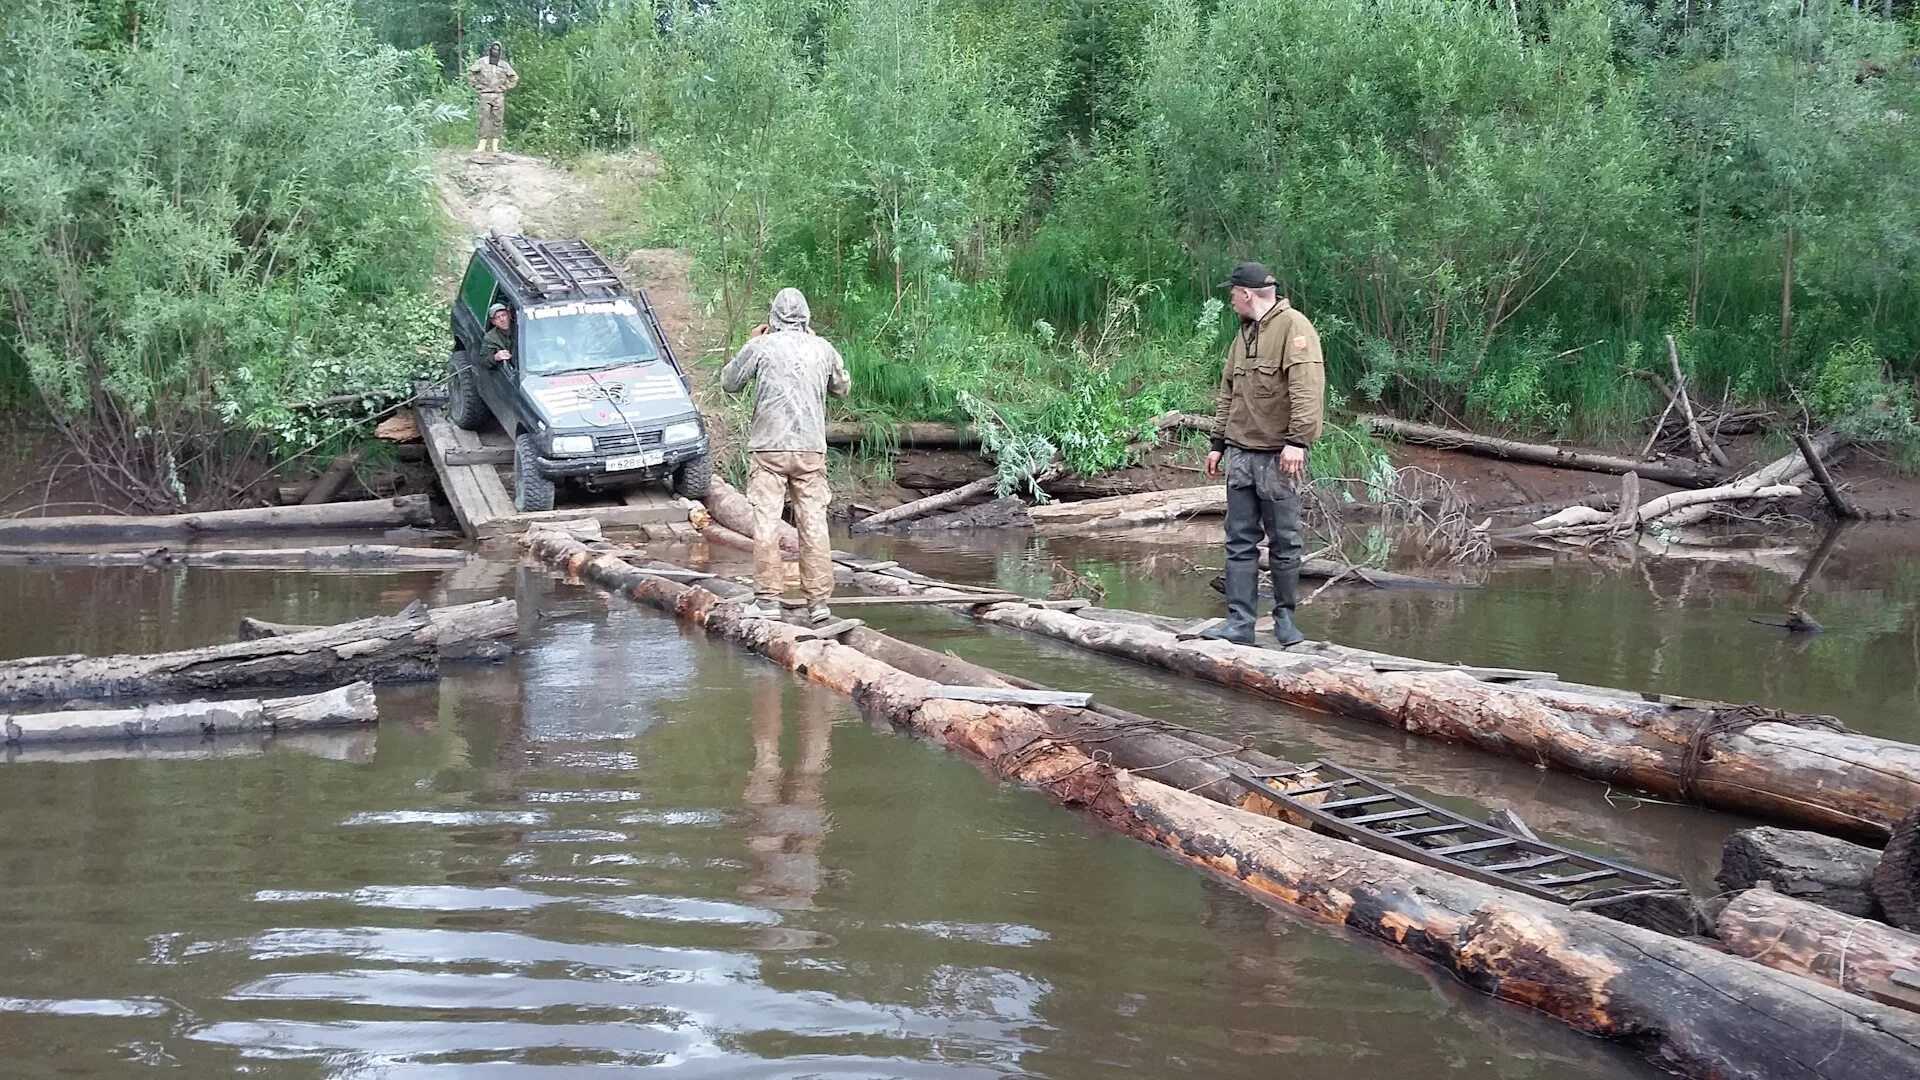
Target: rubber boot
1243	589
1286	596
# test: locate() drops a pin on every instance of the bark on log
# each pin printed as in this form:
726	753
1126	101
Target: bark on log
367	514
341	707
732	511
1842	507
1679	474
1843	951
355	556
462	631
1699	1012
329	483
1896	880
932	504
912	436
1803	865
1844	783
389	648
1131	511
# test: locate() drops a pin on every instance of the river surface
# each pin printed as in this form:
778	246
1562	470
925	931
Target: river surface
632	850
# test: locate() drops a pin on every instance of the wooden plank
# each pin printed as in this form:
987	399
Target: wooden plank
969	600
997	695
1484	674
484	455
831	630
462	483
611	517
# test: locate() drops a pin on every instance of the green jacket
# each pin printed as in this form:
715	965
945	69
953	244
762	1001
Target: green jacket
1273	389
493	341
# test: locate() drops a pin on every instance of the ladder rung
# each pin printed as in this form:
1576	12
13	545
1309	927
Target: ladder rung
1575	879
1428	830
1363	800
1524	864
1295	793
1478	845
1391	815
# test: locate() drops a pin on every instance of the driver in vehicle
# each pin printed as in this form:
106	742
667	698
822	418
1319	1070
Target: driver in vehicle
497	343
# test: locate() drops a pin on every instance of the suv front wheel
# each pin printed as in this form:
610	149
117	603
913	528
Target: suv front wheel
464	404
532	490
694	479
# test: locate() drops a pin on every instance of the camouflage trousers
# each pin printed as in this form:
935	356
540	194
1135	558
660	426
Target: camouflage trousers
799	475
493	114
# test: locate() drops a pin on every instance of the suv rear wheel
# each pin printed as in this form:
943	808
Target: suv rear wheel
532	490
695	478
464	405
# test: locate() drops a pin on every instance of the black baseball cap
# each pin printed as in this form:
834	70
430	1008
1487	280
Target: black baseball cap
1249	275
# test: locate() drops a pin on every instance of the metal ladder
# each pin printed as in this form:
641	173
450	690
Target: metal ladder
561	266
1384	818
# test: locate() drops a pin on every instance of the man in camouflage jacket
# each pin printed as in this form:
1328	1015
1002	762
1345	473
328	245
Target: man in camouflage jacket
1268	411
491	76
793	372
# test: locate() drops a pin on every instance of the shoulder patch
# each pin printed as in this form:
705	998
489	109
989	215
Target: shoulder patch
1300	341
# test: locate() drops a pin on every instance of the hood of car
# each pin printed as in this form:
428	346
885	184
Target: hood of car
637	394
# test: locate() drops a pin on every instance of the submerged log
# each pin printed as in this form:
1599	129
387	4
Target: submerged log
342	707
1803	865
367	514
388	648
461	631
354	556
1854	954
1677	473
1696	1011
1739	758
352	744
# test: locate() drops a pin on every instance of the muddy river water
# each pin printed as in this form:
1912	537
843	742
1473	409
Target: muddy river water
630	849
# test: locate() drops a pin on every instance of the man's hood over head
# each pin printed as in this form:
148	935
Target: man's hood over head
789	311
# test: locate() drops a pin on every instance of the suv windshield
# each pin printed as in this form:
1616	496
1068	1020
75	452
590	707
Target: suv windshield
586	334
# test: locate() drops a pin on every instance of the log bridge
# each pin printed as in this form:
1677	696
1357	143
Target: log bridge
1695	1010
476	474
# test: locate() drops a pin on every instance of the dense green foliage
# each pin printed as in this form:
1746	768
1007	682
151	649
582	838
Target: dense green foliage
196	207
1491	211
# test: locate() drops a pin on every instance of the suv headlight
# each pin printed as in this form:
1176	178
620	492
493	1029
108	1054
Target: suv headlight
679	433
573	444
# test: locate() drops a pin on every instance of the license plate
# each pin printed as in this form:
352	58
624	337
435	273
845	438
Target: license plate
636	461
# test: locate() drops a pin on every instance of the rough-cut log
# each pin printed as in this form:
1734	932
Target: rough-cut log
731	510
1677	473
932	504
368	514
329	483
1845	951
342	707
354	556
1695	1011
1749	760
1896	880
713	532
1131	511
1804	865
461	631
919	435
388	648
1843	508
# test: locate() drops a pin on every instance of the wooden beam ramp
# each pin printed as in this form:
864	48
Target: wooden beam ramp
1695	1009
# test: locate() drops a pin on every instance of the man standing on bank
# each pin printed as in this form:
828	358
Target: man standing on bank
491	77
794	371
1267	413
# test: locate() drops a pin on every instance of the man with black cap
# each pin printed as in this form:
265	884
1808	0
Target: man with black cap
1268	412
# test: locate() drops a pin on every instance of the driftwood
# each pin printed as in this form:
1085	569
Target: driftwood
1854	954
1773	765
1842	507
1131	511
342	707
329	483
1803	865
1703	447
354	556
946	500
1677	473
387	648
1699	1012
915	436
1789	469
368	514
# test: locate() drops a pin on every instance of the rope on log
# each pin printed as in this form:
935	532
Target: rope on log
1729	720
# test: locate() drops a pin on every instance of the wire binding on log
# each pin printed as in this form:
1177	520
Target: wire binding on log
1730	721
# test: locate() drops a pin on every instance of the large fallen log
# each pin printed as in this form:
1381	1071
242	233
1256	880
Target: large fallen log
341	707
917	435
1677	473
1131	511
1581	521
347	556
1695	1011
1789	469
461	631
932	504
329	483
731	511
388	648
1854	954
331	517
1741	758
940	475
1806	866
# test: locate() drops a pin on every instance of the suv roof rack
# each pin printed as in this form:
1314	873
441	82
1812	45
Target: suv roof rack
557	267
